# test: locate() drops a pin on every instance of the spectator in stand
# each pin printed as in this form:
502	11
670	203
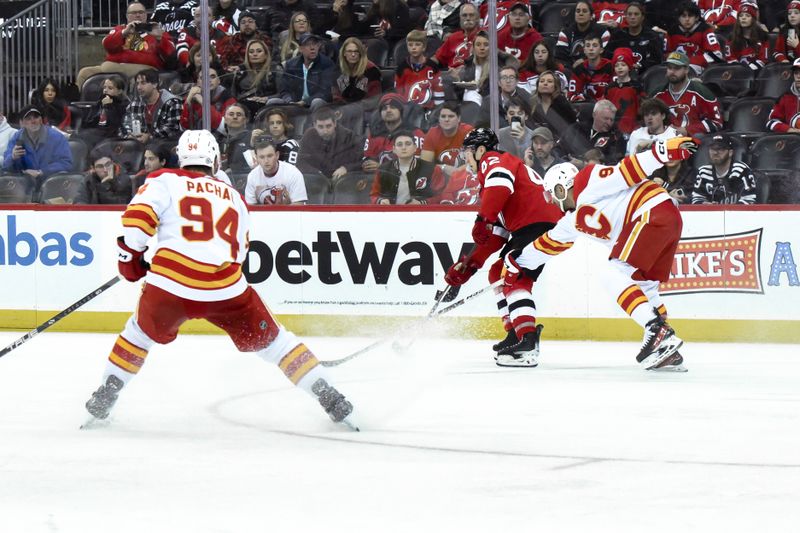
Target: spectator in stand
278	127
508	78
174	15
106	183
655	115
228	12
388	20
600	135
610	13
232	48
378	146
787	45
359	80
221	99
132	47
647	45
719	14
308	78
155	114
677	178
406	179
749	44
329	148
442	143
290	48
104	118
541	59
691	36
156	157
6	132
458	45
625	91
36	150
724	181
439	11
188	74
345	20
549	106
516	138
693	106
273	182
254	82
55	110
417	79
190	36
233	137
470	81
785	116
280	14
591	77
463	188
569	47
542	153
517	37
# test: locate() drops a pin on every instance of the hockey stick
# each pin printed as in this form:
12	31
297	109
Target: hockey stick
413	325
32	333
440	295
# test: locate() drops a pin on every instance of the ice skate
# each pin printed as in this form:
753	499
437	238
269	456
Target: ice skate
660	342
104	398
524	353
510	340
334	403
673	363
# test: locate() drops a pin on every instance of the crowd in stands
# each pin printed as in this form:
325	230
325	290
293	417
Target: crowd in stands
360	102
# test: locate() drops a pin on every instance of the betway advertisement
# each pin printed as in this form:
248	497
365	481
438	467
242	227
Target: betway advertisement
739	264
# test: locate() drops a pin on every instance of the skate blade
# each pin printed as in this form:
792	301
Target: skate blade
652	361
524	361
670	368
95	423
349	423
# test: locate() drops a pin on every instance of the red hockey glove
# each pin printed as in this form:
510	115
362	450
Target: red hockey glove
131	264
511	271
482	230
675	149
460	273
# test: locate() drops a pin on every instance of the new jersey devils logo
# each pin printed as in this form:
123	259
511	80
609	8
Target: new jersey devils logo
681	112
449	157
420	92
421	183
462	52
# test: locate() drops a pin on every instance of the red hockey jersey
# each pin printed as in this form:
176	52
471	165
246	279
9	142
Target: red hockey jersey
782	51
610	11
696	108
512	193
719	12
588	83
699	44
422	85
626	96
786	114
520	47
456	49
754	54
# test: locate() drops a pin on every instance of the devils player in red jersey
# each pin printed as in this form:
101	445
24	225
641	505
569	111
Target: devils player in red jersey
512	214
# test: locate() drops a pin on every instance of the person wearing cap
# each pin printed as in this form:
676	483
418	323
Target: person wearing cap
378	146
231	49
131	48
693	106
785	116
749	44
655	115
542	153
625	90
308	78
724	181
36	150
517	37
516	137
787	45
694	38
646	44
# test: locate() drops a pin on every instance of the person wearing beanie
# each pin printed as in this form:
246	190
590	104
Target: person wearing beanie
625	90
387	121
749	44
787	45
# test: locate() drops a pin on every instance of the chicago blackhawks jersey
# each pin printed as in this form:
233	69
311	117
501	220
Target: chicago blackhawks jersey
512	193
606	200
694	108
201	226
421	84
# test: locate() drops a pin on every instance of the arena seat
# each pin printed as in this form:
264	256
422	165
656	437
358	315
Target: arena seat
728	79
377	51
127	152
15	189
387	80
701	157
238	180
654	78
470	111
64	189
554	16
774	80
92	89
775	152
79	154
318	188
352	189
749	114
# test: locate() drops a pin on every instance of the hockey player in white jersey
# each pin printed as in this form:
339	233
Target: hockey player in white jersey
201	228
637	220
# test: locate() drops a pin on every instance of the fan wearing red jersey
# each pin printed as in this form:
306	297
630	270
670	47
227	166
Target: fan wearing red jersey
639	224
512	214
201	227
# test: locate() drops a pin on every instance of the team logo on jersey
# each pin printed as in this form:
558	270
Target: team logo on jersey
601	142
421	92
450	157
681	112
516	52
462	52
795	121
719	263
421	183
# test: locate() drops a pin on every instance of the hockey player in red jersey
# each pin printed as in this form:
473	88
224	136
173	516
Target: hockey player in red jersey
201	226
512	214
637	220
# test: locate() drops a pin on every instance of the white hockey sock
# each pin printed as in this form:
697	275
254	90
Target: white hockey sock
129	352
296	361
630	297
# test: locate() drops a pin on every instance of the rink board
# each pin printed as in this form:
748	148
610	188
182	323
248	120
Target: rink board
358	272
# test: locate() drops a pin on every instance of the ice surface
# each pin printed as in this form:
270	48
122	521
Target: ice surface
208	440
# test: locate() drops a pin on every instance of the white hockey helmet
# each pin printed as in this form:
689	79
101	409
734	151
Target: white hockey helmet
198	148
561	174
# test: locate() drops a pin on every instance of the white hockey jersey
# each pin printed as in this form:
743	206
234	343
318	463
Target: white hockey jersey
607	198
201	225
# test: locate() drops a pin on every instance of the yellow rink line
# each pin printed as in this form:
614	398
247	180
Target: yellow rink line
601	329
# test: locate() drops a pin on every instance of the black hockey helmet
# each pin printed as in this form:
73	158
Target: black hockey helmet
481	137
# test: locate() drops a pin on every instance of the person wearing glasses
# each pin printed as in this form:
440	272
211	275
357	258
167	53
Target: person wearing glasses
508	80
106	182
